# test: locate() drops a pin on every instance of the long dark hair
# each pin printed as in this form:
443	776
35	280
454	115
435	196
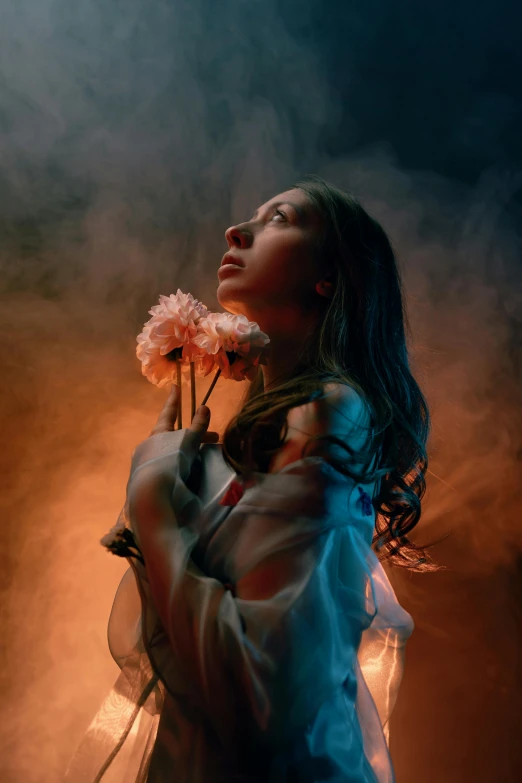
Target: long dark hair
361	341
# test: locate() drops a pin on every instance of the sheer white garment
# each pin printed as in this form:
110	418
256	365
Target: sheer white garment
297	683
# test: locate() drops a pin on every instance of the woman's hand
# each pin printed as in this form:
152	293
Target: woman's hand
159	493
161	450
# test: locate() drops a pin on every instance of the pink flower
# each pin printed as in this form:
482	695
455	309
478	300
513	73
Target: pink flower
182	331
168	336
235	344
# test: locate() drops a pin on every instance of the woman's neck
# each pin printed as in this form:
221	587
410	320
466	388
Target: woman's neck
283	361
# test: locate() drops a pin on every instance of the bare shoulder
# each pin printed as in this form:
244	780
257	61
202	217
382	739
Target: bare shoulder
341	395
339	408
340	411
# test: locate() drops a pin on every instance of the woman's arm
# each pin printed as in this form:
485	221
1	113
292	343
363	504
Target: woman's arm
340	412
262	661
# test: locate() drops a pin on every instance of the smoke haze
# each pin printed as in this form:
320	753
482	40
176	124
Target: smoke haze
132	135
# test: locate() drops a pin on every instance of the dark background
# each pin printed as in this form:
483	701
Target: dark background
131	135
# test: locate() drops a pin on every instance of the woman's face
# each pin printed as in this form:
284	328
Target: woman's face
277	270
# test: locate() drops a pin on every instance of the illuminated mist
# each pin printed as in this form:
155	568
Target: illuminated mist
132	135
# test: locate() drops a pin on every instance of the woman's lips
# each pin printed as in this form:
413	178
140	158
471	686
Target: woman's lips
229	258
227	268
229	262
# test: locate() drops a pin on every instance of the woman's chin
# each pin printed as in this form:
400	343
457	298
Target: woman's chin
231	305
234	310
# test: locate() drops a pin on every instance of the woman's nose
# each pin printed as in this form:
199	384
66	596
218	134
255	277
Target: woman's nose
238	237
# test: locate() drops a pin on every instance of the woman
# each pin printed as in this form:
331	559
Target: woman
264	641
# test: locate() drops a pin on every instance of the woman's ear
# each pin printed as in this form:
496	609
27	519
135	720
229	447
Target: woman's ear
325	288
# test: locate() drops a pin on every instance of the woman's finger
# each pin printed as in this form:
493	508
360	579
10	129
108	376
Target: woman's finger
169	414
196	432
201	420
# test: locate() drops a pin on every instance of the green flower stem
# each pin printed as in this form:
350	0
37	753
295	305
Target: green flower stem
207	395
178	381
192	392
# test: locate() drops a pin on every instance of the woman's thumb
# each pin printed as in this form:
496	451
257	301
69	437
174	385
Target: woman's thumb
169	414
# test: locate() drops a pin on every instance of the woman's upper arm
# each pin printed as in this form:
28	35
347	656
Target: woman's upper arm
340	412
261	660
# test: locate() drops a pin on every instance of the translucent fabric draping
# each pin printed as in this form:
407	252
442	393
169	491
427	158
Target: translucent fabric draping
293	669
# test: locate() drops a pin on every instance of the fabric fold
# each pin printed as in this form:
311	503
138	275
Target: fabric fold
306	601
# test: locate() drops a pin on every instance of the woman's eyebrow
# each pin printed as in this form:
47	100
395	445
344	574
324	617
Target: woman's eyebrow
300	211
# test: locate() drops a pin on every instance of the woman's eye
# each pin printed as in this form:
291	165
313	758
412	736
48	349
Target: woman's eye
278	212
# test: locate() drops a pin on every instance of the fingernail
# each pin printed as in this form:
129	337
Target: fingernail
203	410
